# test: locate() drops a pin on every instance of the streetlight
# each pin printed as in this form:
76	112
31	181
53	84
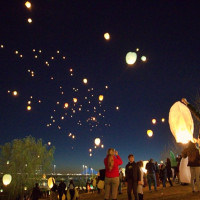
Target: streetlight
83	169
92	171
86	172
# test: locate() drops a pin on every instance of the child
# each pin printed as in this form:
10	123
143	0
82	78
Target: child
140	186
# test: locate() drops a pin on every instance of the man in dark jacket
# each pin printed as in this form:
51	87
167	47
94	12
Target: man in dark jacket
133	177
151	177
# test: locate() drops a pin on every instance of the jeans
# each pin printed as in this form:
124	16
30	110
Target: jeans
152	178
111	187
195	173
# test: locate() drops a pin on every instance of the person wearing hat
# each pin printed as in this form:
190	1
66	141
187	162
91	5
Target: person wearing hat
132	177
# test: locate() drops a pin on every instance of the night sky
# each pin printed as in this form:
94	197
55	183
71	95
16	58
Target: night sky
166	32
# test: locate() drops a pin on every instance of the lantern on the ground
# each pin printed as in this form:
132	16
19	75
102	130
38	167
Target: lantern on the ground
181	123
51	182
7	178
131	58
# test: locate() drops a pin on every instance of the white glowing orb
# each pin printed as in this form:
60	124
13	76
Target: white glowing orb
131	58
66	105
107	36
150	133
163	120
144	58
49	143
7	178
85	80
97	141
30	20
15	93
75	100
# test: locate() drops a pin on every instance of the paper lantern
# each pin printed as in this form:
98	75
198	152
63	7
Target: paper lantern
29	20
28	4
15	93
153	121
85	80
163	120
66	105
150	133
51	182
144	58
97	141
28	108
131	58
101	97
107	36
75	100
181	123
7	178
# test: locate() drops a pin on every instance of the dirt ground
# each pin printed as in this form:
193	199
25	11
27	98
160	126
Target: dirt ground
177	192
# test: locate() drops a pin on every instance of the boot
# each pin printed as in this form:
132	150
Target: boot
140	196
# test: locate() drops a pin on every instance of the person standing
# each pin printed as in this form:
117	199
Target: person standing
140	185
194	163
36	194
61	189
163	175
121	177
112	162
132	177
151	177
169	171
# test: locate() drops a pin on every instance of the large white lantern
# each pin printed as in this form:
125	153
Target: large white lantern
51	182
7	178
131	58
97	141
181	123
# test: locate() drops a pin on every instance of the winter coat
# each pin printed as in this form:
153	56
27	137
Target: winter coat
132	172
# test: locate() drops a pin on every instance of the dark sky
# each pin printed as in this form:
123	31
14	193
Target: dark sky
166	32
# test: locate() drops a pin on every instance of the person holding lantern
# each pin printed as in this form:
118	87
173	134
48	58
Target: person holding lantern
112	161
194	163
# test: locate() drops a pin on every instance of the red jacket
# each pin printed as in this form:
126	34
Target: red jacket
115	170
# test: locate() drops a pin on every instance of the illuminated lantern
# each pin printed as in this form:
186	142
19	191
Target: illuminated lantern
15	93
29	20
131	58
90	150
184	171
107	36
101	97
97	141
7	178
150	133
163	120
153	121
137	49
75	100
85	80
144	58
28	108
90	154
28	4
102	146
117	107
66	105
181	123
51	182
49	143
25	188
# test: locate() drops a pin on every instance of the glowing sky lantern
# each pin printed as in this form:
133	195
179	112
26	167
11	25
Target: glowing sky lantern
150	133
181	123
85	80
107	36
28	4
131	58
28	108
49	143
90	150
153	121
15	93
101	97
66	105
7	178
51	181
117	107
97	141
29	20
75	100
163	120
102	146
144	58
